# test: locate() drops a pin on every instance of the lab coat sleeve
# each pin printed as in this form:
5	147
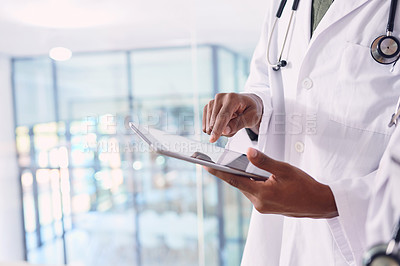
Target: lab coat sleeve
258	81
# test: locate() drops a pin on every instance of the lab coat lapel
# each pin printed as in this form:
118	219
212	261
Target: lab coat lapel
338	10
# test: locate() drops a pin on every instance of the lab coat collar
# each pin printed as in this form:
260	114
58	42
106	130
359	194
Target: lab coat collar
337	11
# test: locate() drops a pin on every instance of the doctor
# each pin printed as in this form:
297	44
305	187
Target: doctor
319	107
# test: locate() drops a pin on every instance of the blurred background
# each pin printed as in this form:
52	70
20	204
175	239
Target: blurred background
76	186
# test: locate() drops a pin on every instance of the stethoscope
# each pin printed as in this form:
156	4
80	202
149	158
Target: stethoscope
385	255
385	49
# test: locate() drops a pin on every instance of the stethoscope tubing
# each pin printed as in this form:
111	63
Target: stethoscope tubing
278	15
377	54
392	16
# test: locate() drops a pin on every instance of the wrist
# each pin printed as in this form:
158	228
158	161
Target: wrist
327	203
259	107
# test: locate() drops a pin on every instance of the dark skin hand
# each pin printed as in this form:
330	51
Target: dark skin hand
289	191
227	113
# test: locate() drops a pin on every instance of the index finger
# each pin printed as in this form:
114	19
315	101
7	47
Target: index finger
224	116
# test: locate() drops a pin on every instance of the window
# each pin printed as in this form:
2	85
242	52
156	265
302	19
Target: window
91	194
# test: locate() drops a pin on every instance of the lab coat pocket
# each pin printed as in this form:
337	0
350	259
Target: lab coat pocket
366	92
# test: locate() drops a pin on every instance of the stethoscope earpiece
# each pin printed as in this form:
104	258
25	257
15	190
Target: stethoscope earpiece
385	49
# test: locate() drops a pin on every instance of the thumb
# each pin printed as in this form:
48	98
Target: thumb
266	163
247	119
234	126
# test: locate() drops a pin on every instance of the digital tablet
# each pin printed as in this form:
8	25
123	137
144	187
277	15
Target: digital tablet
197	152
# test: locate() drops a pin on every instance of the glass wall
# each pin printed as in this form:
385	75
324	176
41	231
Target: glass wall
92	195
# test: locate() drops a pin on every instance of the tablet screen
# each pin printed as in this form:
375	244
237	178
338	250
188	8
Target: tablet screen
203	151
173	145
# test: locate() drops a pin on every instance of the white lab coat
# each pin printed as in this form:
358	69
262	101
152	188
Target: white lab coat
384	209
326	113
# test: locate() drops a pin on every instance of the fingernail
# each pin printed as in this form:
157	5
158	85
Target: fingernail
253	152
227	130
212	137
